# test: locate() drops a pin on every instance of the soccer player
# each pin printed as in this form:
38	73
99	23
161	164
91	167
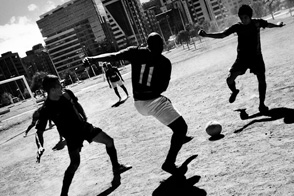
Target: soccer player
114	79
63	108
150	78
35	118
249	52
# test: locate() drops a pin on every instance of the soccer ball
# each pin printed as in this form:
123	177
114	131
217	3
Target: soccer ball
213	128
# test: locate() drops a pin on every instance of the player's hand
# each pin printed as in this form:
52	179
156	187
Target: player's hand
39	154
202	33
281	24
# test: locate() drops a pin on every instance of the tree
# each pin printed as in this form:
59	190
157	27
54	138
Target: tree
290	4
258	9
183	36
272	5
37	80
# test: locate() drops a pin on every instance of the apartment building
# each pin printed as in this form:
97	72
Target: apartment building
73	30
126	20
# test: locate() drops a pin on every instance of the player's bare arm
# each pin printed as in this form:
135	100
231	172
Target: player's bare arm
102	57
81	110
39	142
119	75
272	25
218	35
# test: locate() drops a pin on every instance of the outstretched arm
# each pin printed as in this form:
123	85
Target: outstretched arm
102	57
279	24
213	35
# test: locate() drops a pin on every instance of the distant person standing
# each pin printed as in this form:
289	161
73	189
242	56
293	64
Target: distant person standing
114	79
249	52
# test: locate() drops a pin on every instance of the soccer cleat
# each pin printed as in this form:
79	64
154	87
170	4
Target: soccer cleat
263	109
233	96
121	169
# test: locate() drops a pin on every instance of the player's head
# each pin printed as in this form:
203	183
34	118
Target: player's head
155	43
109	66
52	85
245	14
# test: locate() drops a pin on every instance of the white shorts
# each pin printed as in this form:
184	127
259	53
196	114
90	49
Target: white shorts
117	83
161	108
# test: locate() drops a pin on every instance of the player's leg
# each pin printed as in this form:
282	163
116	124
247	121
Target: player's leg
238	68
125	89
103	138
114	86
162	109
259	71
75	160
121	84
262	92
179	128
30	127
232	85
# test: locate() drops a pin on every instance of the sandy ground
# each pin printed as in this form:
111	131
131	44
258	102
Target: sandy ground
254	156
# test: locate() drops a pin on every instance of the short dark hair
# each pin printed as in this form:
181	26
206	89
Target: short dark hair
49	82
155	42
245	10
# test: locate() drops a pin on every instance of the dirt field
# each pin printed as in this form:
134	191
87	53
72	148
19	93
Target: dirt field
254	156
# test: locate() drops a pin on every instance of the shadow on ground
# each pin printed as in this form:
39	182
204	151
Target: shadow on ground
59	146
178	185
119	103
287	114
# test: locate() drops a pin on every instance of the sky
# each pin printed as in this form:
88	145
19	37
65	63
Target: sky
19	31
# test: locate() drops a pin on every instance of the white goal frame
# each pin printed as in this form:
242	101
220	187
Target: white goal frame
19	78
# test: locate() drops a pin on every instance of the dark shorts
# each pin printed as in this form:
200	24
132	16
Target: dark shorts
88	133
91	132
254	63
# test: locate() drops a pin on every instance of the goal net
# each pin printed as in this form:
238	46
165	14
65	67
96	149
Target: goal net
14	90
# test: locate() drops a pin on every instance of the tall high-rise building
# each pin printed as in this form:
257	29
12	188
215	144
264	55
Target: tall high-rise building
38	60
209	10
73	30
10	67
126	19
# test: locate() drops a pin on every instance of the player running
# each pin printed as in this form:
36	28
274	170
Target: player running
35	118
249	52
114	79
63	108
150	78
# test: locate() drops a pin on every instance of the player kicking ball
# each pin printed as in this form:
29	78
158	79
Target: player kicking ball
150	78
249	54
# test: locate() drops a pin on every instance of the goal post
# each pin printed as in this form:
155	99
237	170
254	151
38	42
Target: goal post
22	78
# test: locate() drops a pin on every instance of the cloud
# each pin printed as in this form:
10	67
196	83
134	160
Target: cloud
49	6
32	7
19	35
